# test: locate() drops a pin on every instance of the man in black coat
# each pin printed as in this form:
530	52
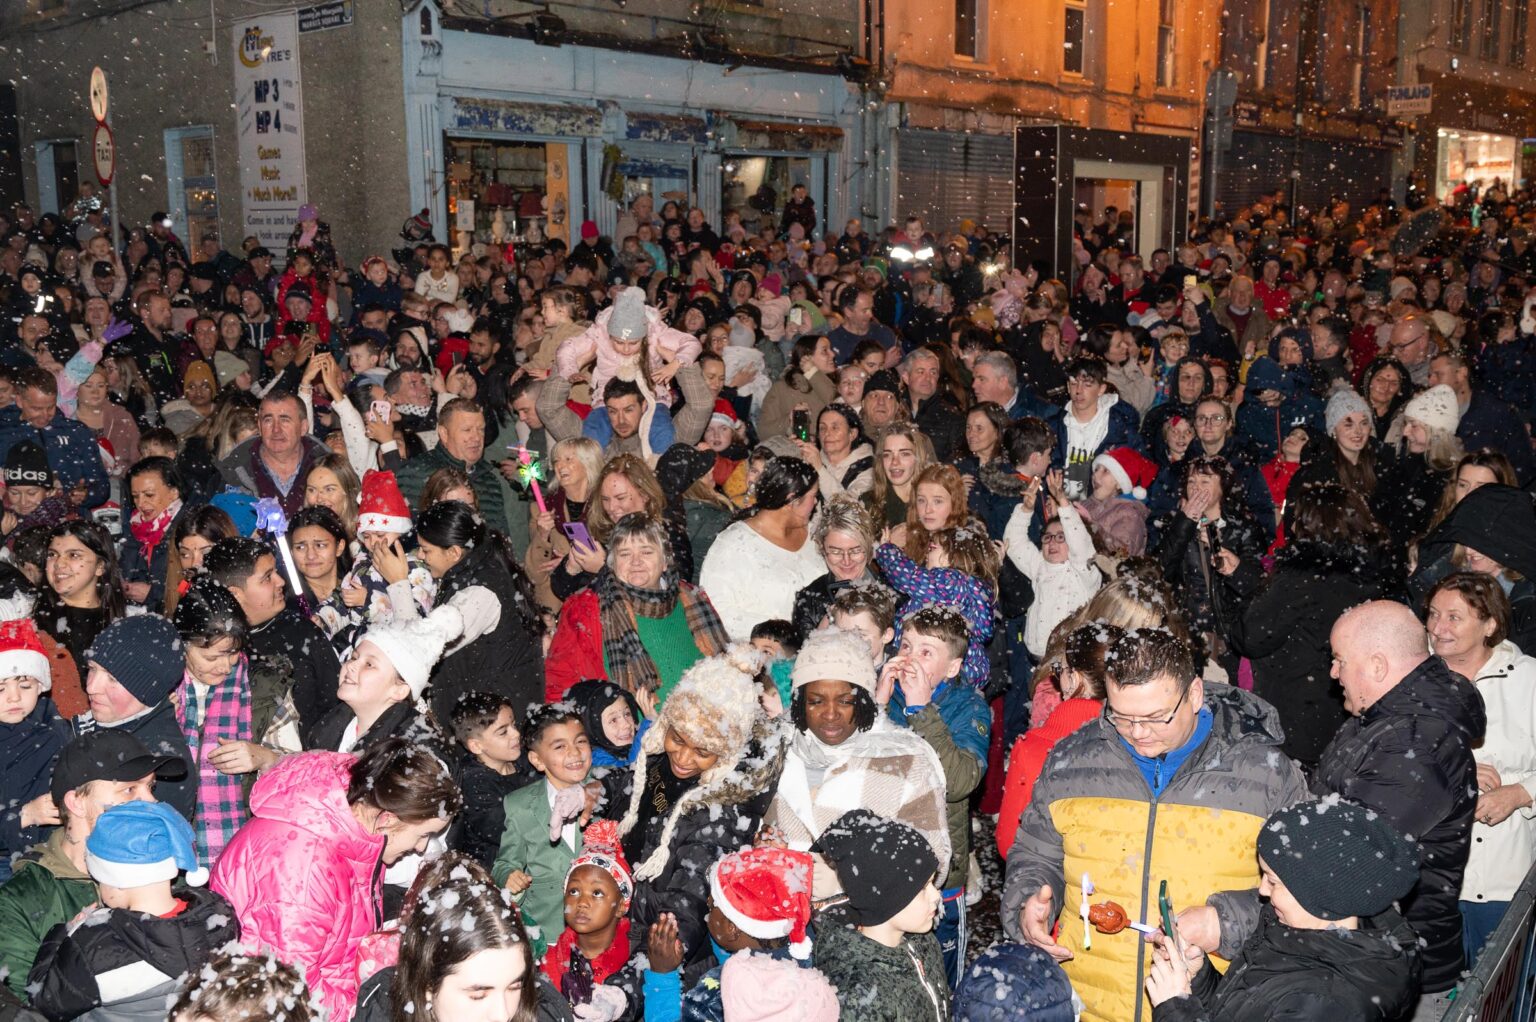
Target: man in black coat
1407	753
1485	420
933	410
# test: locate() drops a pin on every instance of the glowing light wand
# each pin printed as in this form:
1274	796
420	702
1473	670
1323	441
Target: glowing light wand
271	519
531	470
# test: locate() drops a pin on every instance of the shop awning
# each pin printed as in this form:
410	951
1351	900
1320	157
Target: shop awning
680	129
787	136
556	120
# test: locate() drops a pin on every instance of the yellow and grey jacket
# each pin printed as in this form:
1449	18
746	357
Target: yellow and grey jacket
1093	812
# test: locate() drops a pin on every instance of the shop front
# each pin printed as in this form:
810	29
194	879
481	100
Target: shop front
1475	158
1474	132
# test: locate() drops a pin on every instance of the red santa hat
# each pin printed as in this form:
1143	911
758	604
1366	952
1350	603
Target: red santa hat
724	415
21	651
1132	472
601	848
381	507
766	892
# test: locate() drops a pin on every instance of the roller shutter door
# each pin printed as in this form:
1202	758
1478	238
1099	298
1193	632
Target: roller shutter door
946	177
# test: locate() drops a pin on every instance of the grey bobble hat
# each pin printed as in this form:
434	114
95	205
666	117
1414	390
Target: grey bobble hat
627	320
1344	403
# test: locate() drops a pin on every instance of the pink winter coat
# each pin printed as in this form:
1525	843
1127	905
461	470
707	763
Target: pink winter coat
304	876
663	342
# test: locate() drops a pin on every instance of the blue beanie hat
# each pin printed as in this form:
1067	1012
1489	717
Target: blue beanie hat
1011	982
1265	374
145	655
140	843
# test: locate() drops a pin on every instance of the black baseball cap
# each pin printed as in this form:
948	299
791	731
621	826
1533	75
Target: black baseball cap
107	754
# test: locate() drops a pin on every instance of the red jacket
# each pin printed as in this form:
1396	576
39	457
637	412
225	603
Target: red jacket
576	650
1028	759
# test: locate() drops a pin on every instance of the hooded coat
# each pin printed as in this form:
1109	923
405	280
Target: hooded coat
508	659
1498	522
1407	492
304	876
114	965
1409	757
1365	975
592	697
1282	625
27	751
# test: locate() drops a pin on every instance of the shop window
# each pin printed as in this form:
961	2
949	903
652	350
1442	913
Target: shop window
192	183
756	189
1165	54
1461	25
970	29
1519	26
1488	43
503	193
1074	55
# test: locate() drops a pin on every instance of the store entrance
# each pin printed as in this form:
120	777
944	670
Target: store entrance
506	193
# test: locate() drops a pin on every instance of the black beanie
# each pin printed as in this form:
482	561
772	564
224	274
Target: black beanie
26	464
1338	859
882	864
883	379
145	655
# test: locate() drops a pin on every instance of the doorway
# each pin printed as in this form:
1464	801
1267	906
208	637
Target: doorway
1127	186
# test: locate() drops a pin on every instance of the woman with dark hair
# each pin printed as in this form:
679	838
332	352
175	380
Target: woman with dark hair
1211	517
155	487
318	538
843	458
1468	618
840	760
1336	555
193	535
807	383
463	955
221	716
85	590
1350	454
772	541
638	625
305	873
476	572
1386	387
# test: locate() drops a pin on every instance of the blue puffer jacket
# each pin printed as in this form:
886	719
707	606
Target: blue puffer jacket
71	447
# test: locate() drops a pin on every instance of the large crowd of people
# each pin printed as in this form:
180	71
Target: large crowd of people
639	628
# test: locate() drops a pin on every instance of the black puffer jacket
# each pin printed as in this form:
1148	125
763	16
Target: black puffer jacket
1282	626
715	818
1365	975
1409	757
1187	564
508	660
1407	493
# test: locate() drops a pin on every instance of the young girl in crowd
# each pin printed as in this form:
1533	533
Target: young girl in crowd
611	717
1061	569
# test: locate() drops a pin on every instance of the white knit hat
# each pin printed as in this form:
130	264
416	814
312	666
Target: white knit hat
415	646
715	703
1437	408
832	654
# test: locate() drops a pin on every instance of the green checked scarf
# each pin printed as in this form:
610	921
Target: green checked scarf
618	604
226	713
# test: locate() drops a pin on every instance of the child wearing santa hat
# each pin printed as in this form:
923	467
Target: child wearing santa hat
1116	511
759	901
386	584
126	956
31	735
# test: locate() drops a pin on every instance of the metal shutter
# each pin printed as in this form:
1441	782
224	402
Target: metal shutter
1353	172
1256	165
946	177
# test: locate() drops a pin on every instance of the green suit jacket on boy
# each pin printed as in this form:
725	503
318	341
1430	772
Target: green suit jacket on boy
525	845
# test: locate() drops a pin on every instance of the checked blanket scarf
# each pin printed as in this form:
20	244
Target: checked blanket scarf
629	665
226	713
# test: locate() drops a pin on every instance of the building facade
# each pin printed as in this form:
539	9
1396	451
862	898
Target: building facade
1310	87
1476	57
959	76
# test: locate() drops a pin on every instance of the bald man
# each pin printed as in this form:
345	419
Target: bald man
1406	752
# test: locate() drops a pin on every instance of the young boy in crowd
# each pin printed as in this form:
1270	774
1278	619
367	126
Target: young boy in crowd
759	900
779	639
366	359
31	735
612	719
158	443
876	946
593	951
125	956
541	838
870	613
494	768
920	689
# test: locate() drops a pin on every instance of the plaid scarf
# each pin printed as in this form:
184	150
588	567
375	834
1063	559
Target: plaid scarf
619	604
221	805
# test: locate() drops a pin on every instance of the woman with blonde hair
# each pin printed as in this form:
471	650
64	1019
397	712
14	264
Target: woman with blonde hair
576	466
900	454
846	537
626	485
1427	452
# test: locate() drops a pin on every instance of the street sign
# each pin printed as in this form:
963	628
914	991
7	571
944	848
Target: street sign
1408	100
104	154
99	95
335	14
